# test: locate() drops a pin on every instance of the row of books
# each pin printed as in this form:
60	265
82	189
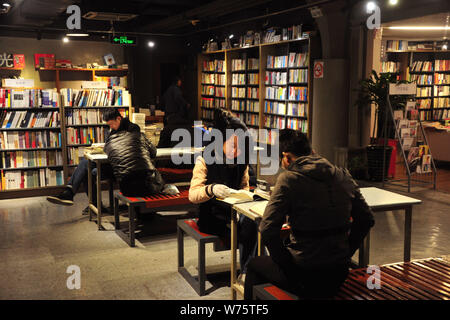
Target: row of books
237	92
252	119
276	78
253	93
298	93
208	78
441	103
207	102
275	107
271	121
441	114
424	103
424	92
10	180
253	78
253	64
442	78
220	92
390	66
114	81
29	140
25	159
28	98
238	105
396	45
238	79
440	91
421	79
277	61
207	114
421	66
298	60
83	116
94	97
297	124
208	90
278	93
26	119
298	75
213	65
293	109
73	155
442	65
253	105
238	65
86	135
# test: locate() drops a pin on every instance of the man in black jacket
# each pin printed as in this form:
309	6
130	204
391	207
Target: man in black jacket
174	106
328	217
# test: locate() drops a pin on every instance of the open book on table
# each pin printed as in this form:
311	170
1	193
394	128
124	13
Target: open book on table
259	208
239	196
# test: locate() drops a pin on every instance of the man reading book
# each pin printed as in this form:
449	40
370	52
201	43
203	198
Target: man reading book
212	181
328	216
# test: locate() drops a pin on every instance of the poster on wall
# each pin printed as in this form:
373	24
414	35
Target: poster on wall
46	61
19	61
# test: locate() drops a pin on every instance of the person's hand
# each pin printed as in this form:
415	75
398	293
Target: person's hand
220	191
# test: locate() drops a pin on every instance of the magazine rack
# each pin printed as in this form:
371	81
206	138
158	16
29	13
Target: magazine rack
419	168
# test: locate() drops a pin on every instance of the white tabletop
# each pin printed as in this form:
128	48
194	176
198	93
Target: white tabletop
160	152
244	208
377	198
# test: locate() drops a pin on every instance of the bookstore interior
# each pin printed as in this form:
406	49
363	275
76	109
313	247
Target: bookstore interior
349	98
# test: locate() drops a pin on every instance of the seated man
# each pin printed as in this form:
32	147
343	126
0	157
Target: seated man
214	180
130	154
318	200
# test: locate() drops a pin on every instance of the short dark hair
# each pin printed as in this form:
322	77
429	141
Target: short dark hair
295	142
111	114
224	119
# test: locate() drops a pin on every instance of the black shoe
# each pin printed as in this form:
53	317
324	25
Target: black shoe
65	198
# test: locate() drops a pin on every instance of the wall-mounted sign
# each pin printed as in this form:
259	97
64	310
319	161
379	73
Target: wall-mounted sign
402	88
318	69
124	40
9	60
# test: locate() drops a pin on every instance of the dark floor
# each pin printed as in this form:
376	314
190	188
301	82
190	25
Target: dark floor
39	241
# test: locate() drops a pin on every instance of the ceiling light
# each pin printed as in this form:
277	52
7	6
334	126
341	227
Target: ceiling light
6	5
393	2
444	46
65	39
231	36
370	6
77	33
151	44
419	28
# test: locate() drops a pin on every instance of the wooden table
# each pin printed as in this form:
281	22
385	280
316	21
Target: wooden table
379	200
100	159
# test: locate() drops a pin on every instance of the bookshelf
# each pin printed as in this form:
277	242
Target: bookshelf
283	101
425	63
31	147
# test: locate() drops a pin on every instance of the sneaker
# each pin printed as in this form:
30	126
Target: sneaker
65	198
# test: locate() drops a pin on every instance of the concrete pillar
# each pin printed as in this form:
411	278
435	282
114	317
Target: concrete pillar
330	111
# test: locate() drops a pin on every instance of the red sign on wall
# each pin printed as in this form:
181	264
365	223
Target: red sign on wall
318	69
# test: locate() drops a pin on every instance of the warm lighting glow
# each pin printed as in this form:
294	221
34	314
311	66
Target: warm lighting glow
65	39
370	6
151	44
77	34
6	5
231	36
393	2
444	47
419	28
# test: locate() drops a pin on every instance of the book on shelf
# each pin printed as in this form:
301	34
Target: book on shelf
275	107
28	98
298	93
298	75
424	91
238	105
208	90
25	159
442	78
276	78
94	97
253	78
277	62
442	65
276	93
422	66
26	119
21	179
297	60
252	105
440	91
114	81
86	135
396	45
441	102
238	65
219	92
253	93
297	109
29	139
84	116
253	64
238	79
237	92
390	66
297	124
252	119
208	78
421	79
272	121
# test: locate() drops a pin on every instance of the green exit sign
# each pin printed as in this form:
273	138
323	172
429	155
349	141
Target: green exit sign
125	40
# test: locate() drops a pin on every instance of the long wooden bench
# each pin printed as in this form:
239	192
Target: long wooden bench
134	205
425	279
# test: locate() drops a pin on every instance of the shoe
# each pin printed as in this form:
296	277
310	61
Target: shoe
241	279
65	198
85	211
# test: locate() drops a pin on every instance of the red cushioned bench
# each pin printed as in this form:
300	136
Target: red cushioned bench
425	279
190	228
134	205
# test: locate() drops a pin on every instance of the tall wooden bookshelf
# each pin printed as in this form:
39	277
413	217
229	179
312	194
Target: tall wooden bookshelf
64	147
260	116
432	78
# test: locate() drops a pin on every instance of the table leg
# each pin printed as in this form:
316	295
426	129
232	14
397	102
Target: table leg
364	251
233	252
99	195
407	241
90	189
111	196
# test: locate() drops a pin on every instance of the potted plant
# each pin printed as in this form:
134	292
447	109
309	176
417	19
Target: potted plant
374	91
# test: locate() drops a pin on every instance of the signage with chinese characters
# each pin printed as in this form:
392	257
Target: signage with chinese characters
124	40
9	60
402	89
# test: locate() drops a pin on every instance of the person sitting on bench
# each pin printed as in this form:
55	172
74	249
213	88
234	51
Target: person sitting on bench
210	181
319	200
130	154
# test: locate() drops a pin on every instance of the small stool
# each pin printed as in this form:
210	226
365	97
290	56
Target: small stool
190	227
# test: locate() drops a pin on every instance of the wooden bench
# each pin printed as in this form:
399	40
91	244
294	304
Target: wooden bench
425	279
189	227
134	205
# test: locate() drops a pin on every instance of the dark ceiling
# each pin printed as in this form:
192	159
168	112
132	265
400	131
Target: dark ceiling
169	17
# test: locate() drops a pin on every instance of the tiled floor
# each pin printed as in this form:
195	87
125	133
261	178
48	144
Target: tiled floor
39	241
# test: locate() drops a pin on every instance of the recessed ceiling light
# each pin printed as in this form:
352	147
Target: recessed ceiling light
151	44
77	33
231	36
6	5
370	6
393	2
65	39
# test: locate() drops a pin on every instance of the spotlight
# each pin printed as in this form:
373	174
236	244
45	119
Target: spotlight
370	7
151	44
65	39
6	4
444	46
393	2
231	36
